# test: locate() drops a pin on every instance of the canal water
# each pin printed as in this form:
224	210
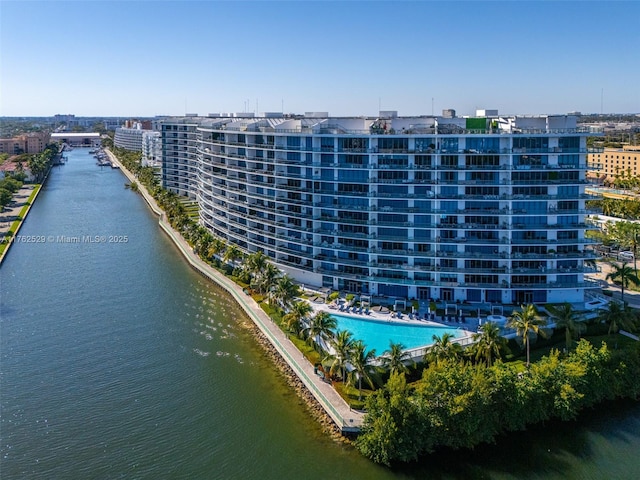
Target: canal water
119	361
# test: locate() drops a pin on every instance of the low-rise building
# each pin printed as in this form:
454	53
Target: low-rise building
77	139
27	143
8	169
611	162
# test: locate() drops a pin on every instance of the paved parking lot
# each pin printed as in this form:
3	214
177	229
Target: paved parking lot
11	211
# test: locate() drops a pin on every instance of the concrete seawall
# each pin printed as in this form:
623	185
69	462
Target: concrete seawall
348	421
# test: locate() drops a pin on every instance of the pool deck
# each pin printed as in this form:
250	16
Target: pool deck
468	328
470	324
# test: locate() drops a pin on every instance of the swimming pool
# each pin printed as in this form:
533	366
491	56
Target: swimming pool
376	334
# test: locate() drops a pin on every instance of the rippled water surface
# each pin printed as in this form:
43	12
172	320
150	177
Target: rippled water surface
118	361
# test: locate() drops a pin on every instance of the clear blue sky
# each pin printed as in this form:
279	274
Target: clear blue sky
146	58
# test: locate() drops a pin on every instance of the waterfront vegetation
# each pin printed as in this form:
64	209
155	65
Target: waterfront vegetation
39	165
454	397
460	405
8	187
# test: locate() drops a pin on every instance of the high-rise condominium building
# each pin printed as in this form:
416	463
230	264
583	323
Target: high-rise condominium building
483	209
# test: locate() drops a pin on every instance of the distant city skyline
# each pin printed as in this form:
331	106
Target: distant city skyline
347	58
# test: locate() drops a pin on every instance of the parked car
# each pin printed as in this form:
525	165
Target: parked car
626	256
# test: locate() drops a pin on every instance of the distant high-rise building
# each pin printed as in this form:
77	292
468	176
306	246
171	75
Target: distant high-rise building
151	148
132	137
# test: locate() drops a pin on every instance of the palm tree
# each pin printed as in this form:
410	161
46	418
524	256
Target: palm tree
231	253
203	241
565	316
361	363
489	343
284	291
190	230
264	280
342	345
443	349
300	312
320	329
215	247
527	321
394	359
622	275
618	316
627	233
255	263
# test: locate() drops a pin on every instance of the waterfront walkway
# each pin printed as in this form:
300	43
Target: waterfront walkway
11	213
347	420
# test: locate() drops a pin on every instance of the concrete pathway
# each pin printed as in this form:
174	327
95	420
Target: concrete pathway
11	213
348	420
630	296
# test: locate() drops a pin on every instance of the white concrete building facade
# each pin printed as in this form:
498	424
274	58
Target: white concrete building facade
151	148
480	209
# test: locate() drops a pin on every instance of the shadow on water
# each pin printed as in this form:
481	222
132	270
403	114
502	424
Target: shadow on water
563	450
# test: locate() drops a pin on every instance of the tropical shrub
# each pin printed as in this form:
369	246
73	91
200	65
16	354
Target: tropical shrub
458	405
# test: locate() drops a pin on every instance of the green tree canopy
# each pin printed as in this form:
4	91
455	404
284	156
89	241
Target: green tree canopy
566	317
395	358
443	349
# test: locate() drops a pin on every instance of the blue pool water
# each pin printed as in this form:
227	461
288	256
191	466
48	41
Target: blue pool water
377	334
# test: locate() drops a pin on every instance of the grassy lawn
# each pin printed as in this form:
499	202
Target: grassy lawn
307	350
351	394
191	208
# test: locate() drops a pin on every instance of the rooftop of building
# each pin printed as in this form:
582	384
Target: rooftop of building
388	122
75	135
624	148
